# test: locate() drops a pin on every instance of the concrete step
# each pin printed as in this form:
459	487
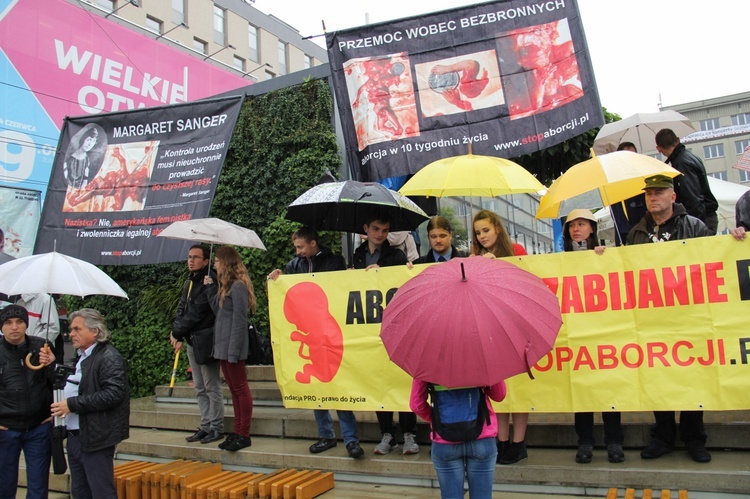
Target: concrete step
546	471
726	430
185	392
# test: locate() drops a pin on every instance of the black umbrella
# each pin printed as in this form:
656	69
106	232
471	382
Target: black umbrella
347	206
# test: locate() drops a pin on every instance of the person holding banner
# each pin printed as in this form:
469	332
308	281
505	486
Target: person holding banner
440	235
667	220
491	240
579	234
373	253
231	300
194	314
314	257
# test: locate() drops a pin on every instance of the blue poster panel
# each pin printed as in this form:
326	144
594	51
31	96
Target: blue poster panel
506	77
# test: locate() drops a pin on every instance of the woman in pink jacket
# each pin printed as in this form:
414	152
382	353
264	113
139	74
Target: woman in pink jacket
454	461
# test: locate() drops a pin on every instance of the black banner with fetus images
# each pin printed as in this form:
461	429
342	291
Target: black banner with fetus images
120	178
508	77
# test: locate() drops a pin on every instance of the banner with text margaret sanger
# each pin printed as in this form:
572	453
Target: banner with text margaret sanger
508	77
651	327
120	178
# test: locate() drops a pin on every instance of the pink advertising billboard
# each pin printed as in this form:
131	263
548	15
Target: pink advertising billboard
57	60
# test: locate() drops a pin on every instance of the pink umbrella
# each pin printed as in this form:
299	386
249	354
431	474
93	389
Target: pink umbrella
470	322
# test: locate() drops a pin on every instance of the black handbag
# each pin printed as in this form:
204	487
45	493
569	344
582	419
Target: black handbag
203	344
254	355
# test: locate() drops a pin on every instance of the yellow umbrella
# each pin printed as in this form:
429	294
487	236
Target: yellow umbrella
600	181
471	175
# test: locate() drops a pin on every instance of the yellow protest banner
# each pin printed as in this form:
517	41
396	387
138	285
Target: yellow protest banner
652	327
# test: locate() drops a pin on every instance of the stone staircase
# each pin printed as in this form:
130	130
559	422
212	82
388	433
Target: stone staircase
159	425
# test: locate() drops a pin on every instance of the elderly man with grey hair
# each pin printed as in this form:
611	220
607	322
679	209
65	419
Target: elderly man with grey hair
96	407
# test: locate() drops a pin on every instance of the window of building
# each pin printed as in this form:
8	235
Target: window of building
178	11
711	124
200	46
719	175
239	63
741	145
741	119
108	5
308	61
283	57
714	151
252	43
744	176
155	25
220	32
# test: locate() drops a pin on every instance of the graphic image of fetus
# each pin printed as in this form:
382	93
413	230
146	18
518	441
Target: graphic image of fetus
459	84
539	67
84	156
321	339
382	99
123	179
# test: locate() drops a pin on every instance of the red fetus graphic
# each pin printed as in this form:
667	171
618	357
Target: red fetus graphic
320	337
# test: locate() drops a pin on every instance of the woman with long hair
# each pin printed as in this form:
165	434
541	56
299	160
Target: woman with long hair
231	300
491	240
579	234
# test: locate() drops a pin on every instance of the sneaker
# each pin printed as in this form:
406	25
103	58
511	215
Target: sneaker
698	452
354	450
502	449
615	453
238	443
386	445
197	436
410	446
585	453
230	437
323	445
655	449
516	453
212	436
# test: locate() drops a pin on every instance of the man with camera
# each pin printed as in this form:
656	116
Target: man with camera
26	378
96	407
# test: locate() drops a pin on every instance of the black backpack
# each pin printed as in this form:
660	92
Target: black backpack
459	414
259	351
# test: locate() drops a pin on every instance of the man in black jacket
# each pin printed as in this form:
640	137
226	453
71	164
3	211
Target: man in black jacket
668	221
314	257
194	315
691	188
25	398
376	252
96	407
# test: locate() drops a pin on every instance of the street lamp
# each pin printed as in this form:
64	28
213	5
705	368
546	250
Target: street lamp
256	69
227	46
131	2
171	29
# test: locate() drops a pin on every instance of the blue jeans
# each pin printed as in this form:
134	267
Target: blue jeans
346	419
37	449
474	460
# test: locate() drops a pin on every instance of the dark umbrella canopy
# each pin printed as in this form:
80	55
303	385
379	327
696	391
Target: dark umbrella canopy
470	322
347	206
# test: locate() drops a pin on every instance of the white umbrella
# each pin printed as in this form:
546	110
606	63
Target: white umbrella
213	231
56	273
640	129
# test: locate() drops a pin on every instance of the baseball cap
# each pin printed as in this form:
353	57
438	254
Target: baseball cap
658	182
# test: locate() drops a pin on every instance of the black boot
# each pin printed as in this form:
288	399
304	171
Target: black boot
516	452
502	449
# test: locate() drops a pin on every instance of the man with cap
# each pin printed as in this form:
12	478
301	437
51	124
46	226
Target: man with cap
25	398
669	221
691	188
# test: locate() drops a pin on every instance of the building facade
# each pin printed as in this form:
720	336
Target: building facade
723	133
231	34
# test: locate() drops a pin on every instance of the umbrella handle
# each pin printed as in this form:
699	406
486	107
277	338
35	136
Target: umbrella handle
526	360
32	366
174	371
